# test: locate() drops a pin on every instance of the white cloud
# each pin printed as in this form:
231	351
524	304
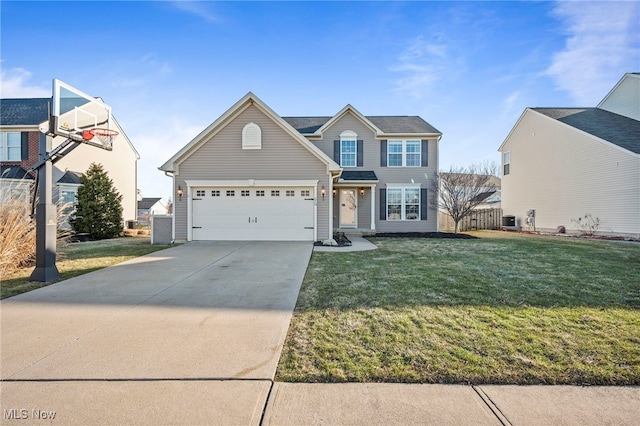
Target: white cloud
603	45
14	84
511	105
423	63
198	8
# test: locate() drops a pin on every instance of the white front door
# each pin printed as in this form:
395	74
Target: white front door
348	206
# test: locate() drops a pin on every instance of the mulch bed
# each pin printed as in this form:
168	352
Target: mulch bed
424	235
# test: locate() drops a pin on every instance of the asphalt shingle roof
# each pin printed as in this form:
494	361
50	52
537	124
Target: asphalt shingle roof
8	171
147	203
71	177
388	124
357	175
24	112
614	128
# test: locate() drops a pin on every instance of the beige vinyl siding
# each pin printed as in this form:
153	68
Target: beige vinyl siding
281	158
624	99
564	173
386	175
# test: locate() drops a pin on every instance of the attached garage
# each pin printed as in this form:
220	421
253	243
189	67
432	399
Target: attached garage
251	176
260	212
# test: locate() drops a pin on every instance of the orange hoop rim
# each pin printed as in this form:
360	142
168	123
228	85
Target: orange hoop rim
102	132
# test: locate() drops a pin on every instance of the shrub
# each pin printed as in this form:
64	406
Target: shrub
17	232
587	225
18	228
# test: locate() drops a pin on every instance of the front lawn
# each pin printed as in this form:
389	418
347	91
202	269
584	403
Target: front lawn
75	259
505	308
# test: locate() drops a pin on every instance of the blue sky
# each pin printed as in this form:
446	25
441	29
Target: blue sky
169	69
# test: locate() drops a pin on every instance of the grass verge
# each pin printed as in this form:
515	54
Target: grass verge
74	259
504	309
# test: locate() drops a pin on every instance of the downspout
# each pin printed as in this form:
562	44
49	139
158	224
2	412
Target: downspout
173	212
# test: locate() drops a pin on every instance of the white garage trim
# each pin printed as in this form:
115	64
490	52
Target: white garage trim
203	186
252	182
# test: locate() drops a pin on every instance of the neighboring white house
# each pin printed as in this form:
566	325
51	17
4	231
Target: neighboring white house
567	162
19	151
148	207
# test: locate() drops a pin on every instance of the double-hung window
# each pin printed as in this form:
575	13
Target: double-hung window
404	153
506	163
403	203
348	152
10	146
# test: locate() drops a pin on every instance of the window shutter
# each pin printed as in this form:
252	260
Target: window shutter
383	203
360	153
383	153
336	151
424	153
424	203
24	145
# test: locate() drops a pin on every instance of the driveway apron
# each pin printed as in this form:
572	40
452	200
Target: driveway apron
213	315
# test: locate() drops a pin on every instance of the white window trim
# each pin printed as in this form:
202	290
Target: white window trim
506	163
349	136
403	204
4	146
404	151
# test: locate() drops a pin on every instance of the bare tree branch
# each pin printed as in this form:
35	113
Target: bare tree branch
462	189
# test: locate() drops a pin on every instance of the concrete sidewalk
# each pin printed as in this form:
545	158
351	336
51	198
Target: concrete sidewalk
415	404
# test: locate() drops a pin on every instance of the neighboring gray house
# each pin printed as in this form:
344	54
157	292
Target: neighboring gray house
568	162
19	151
253	175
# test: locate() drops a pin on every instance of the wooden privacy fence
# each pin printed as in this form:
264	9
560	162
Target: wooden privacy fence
478	219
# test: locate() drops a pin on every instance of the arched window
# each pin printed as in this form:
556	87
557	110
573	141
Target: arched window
251	136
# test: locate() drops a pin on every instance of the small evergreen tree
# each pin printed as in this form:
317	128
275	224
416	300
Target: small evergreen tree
99	212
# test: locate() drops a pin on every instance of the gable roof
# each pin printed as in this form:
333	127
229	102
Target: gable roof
246	101
633	75
381	124
616	129
24	112
8	171
71	177
147	203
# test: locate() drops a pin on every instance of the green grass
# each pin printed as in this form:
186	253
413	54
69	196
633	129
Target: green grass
505	308
74	259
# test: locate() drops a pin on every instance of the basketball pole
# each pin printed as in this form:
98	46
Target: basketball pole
46	220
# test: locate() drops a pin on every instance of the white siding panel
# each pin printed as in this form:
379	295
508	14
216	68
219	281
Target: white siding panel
625	98
563	174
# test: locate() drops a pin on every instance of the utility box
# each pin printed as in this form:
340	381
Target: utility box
508	220
161	229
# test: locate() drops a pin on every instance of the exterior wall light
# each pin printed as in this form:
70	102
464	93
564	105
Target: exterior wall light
180	192
323	192
362	191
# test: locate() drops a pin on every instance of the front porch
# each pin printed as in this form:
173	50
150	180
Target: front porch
354	203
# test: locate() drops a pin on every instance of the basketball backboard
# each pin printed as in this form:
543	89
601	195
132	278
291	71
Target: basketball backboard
73	113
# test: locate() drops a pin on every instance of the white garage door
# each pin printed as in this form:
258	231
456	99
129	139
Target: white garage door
255	213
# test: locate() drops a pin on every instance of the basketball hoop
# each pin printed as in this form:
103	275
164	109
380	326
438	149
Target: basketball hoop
106	136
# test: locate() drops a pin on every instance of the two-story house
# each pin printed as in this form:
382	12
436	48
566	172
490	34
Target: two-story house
254	175
20	148
564	163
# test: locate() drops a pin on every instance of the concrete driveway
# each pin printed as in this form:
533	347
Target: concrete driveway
185	335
